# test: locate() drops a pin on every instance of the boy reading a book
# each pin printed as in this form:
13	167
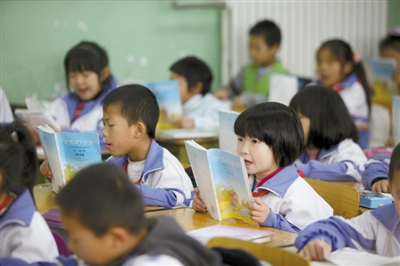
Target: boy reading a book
106	226
251	85
130	116
376	231
200	108
270	138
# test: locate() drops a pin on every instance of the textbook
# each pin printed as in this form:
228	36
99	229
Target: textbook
396	119
373	200
223	182
282	88
169	100
227	136
68	152
205	234
185	133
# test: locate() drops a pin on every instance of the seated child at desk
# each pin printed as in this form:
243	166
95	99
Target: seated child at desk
330	136
374	175
389	47
270	138
102	212
376	231
200	107
87	72
251	85
130	116
24	233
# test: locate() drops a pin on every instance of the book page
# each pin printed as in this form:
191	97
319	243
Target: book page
205	234
282	88
232	185
202	174
185	133
227	136
33	104
37	118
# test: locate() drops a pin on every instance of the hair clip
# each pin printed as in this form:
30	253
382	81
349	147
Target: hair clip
395	32
356	57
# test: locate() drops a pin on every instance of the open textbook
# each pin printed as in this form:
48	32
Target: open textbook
68	152
223	182
182	133
169	100
382	70
227	136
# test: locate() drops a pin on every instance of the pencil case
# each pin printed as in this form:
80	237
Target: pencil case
372	200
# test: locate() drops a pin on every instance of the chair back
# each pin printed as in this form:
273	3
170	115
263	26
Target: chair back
345	200
264	252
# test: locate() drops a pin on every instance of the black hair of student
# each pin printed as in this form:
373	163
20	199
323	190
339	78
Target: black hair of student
194	70
269	30
278	126
136	103
18	160
102	197
394	162
390	42
330	121
343	52
86	56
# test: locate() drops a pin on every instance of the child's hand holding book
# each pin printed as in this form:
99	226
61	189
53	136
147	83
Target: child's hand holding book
259	211
198	204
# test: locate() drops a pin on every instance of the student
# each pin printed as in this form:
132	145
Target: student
6	115
130	116
251	85
106	225
341	69
330	136
270	138
24	233
389	47
376	231
200	107
87	72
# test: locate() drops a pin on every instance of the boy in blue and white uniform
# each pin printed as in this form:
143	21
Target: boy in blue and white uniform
376	231
374	176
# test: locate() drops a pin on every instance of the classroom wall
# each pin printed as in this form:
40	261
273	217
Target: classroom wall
393	13
142	38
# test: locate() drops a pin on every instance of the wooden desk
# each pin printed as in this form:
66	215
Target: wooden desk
178	149
189	220
357	186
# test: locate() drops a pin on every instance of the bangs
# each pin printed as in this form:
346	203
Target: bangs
83	61
249	125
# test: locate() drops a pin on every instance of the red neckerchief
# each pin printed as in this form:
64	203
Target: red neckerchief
264	192
78	110
5	203
125	169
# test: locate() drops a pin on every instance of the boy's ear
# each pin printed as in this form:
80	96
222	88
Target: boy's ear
274	48
347	68
196	89
105	73
118	236
140	129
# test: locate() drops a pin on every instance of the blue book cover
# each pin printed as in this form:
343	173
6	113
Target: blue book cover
227	136
169	100
68	152
382	72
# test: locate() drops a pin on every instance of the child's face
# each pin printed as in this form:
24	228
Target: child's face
392	53
118	134
306	124
86	84
394	188
257	155
94	250
330	70
183	87
260	53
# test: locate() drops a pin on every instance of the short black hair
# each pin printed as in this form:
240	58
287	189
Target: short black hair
269	30
394	162
101	197
194	70
390	42
136	103
330	120
278	126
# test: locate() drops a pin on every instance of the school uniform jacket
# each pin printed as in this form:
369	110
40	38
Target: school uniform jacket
163	182
204	111
90	120
374	169
292	201
371	232
24	233
342	162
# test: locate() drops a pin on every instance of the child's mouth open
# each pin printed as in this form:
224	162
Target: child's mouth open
248	163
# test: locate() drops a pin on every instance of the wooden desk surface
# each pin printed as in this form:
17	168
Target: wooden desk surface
357	186
190	220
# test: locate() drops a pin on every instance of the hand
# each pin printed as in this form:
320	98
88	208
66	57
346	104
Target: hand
45	169
381	186
184	123
259	211
316	250
198	204
221	93
237	102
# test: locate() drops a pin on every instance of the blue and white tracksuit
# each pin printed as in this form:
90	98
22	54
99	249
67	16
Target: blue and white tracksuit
24	233
374	169
90	120
292	201
340	163
371	231
163	182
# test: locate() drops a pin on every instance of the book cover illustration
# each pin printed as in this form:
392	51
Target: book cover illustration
228	138
396	119
384	87
169	100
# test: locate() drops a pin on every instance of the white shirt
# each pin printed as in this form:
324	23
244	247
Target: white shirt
135	170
